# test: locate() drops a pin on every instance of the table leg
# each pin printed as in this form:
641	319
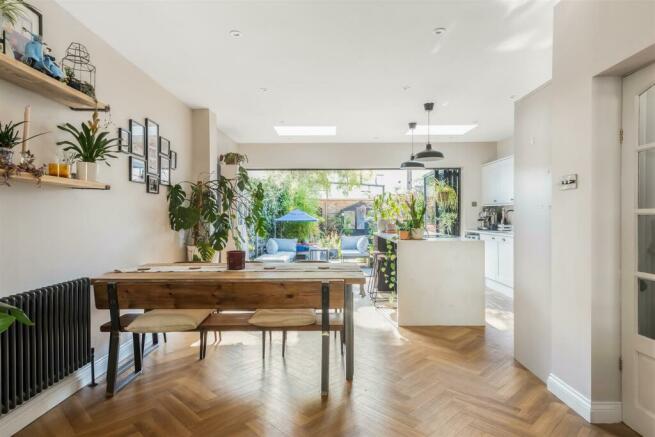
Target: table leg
325	338
350	331
112	363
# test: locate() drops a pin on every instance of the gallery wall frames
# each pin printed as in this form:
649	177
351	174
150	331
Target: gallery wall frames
137	170
124	141
152	184
152	147
137	132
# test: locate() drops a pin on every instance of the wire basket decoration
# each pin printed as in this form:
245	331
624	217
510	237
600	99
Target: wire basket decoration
80	72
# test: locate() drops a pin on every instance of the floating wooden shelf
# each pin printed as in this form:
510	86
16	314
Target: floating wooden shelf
33	80
56	181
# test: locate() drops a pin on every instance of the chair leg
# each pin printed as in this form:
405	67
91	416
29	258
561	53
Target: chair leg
137	352
155	338
263	344
270	338
341	340
165	339
220	336
112	364
284	342
143	343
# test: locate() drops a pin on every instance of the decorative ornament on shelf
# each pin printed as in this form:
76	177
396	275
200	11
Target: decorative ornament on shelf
80	72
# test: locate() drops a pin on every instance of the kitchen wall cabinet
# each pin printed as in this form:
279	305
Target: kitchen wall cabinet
499	258
498	182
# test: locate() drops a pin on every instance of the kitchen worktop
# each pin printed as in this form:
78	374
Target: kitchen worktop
490	232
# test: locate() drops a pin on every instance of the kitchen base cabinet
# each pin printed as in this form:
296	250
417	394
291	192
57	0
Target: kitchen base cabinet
499	262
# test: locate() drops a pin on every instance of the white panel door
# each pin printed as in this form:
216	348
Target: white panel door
506	261
638	251
490	256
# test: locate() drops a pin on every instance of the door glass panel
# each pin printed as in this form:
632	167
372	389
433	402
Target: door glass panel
646	308
646	243
647	117
646	179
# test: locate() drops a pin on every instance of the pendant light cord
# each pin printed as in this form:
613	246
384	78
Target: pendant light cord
429	127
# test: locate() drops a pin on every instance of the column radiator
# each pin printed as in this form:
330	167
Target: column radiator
32	358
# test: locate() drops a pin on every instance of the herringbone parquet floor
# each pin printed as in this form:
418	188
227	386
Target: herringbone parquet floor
446	381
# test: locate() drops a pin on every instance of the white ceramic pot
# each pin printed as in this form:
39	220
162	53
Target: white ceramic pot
87	171
417	234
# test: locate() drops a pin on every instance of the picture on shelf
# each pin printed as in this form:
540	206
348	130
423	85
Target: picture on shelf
28	27
152	144
164	170
152	184
124	140
164	146
137	132
137	170
173	160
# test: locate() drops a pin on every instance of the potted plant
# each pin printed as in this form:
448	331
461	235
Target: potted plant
210	211
447	222
233	158
9	138
386	209
416	210
404	230
91	146
446	196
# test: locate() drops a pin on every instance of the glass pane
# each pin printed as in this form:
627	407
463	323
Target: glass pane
647	117
646	308
646	243
647	179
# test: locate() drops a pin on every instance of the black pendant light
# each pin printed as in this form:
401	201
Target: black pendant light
412	163
428	154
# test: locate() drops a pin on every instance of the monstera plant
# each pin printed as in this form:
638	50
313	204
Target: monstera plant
211	211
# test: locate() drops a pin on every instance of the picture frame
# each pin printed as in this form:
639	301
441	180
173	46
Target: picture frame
14	39
173	160
164	170
164	146
137	138
152	184
124	140
152	146
137	170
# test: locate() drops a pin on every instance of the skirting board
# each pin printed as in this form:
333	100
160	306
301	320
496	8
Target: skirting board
593	412
501	288
50	398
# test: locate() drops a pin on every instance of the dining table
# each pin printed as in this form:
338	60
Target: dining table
213	286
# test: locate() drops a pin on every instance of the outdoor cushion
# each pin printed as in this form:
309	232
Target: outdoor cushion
168	320
362	244
282	318
352	253
271	246
349	242
279	257
286	244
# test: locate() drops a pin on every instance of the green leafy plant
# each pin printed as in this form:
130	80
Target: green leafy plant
233	158
445	195
388	268
447	222
10	314
12	10
211	211
416	210
91	144
404	225
10	134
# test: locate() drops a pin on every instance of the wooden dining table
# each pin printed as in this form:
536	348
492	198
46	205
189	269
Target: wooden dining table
212	286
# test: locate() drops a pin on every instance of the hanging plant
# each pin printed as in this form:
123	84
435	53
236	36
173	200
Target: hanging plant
446	196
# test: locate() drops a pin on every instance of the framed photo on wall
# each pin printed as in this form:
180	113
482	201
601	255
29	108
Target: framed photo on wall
124	140
164	170
152	146
137	170
164	146
137	133
152	184
173	160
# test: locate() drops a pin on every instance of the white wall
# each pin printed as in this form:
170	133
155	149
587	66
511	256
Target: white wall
468	156
51	234
589	38
505	147
532	193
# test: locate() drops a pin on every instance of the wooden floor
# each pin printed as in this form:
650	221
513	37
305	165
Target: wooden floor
447	381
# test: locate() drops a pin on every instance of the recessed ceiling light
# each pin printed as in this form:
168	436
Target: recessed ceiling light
235	33
439	30
442	129
305	131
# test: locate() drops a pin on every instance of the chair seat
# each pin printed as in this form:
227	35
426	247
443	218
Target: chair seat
353	253
164	320
283	317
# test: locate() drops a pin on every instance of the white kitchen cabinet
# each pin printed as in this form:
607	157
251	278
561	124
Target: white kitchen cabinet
499	258
498	182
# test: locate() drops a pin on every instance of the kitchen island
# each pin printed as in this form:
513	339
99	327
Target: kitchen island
440	281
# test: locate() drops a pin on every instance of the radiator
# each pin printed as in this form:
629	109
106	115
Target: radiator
32	358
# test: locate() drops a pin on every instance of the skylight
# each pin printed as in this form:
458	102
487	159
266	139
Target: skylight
305	131
442	129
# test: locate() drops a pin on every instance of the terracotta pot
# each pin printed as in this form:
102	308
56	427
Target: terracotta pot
236	260
404	235
417	234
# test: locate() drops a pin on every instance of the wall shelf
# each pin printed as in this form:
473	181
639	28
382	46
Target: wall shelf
33	80
56	181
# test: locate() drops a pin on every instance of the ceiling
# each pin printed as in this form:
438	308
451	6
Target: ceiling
365	67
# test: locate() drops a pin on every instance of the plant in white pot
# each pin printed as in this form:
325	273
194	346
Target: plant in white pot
90	147
416	210
210	211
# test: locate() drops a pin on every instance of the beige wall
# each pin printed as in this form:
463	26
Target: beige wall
532	193
468	156
589	37
49	234
505	147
